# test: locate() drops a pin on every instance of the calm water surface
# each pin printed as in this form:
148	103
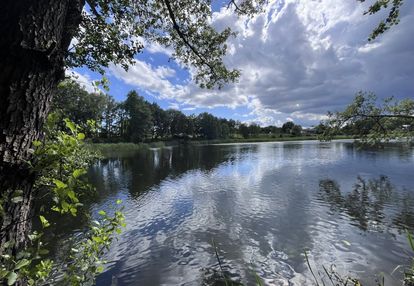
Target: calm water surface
262	204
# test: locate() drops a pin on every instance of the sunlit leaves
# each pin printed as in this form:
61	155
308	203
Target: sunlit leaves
59	184
78	172
21	263
81	136
11	278
87	253
60	161
44	221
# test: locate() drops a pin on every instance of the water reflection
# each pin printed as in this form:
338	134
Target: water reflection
263	204
149	168
371	204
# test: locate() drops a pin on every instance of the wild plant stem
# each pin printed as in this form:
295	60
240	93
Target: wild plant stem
310	268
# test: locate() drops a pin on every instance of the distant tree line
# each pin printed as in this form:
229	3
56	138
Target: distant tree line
137	120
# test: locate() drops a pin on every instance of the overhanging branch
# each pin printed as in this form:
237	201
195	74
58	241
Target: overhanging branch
183	37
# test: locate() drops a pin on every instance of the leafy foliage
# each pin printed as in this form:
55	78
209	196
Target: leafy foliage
291	128
136	120
372	122
114	31
70	100
61	161
393	17
84	261
139	115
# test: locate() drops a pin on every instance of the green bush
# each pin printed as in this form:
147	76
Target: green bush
61	161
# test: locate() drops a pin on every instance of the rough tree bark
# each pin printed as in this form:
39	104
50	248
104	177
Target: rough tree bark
34	39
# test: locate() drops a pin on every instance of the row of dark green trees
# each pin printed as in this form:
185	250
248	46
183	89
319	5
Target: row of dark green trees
137	120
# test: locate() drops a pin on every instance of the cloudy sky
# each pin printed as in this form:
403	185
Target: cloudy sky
298	59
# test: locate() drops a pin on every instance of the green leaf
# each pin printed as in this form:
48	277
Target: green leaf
96	222
118	201
37	143
81	136
73	211
258	280
11	278
17	199
21	263
102	213
410	239
70	125
7	244
59	184
99	269
78	172
72	195
44	221
3	273
43	251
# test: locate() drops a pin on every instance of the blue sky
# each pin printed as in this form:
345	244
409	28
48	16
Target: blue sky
298	59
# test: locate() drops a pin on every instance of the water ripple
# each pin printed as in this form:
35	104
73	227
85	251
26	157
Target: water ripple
263	205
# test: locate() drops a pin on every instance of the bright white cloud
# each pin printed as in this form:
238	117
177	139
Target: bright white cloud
299	59
150	78
157	48
84	80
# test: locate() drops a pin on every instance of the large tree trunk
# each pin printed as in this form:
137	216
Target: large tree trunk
35	36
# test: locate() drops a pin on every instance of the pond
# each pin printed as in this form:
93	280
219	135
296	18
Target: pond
262	205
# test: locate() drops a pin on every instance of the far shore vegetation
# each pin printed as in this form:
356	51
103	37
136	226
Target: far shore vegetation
143	124
116	149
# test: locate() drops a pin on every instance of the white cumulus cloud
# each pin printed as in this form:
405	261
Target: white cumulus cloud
299	59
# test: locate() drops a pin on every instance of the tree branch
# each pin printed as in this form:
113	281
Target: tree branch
375	117
184	37
386	116
237	8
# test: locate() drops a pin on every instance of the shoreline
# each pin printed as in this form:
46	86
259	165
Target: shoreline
109	149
